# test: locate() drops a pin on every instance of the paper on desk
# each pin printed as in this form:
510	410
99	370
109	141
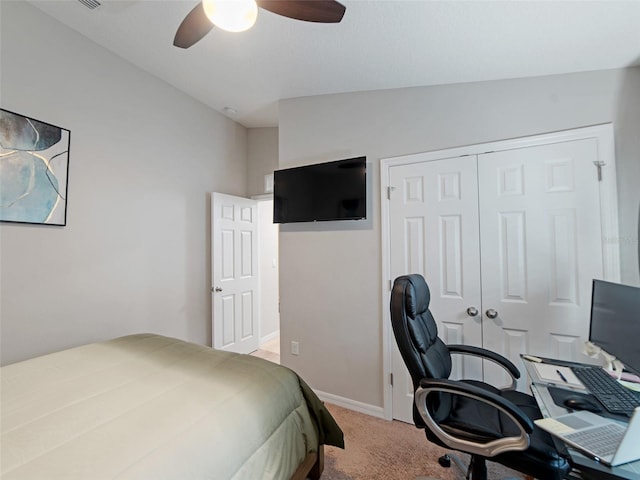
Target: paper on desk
631	385
552	425
549	373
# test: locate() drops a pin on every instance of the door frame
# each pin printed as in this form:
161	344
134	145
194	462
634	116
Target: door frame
604	136
260	199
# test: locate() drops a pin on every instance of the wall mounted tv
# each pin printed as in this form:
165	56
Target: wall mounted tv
321	192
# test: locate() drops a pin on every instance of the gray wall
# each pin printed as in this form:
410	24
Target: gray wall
134	255
330	276
262	157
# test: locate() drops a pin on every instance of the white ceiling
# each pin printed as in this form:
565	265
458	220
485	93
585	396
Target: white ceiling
378	45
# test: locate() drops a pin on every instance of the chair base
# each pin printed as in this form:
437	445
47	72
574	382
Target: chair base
445	461
477	469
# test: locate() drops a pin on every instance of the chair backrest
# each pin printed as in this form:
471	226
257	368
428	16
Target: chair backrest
416	334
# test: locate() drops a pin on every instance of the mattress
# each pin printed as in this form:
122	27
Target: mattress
148	406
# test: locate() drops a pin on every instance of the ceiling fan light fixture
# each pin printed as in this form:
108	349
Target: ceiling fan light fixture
231	15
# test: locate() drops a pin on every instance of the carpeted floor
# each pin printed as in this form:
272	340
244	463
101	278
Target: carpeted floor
377	449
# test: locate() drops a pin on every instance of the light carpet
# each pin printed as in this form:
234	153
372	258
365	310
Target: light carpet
377	449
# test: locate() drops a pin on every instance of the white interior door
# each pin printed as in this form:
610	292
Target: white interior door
433	225
541	246
235	323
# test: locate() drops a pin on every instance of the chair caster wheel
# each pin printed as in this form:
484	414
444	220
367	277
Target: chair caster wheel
445	461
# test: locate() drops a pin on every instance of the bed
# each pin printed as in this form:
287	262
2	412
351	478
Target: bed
152	407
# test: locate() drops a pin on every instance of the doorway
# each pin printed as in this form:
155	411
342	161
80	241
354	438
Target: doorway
245	276
269	297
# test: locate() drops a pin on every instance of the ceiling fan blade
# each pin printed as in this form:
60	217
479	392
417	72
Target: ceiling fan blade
321	11
194	26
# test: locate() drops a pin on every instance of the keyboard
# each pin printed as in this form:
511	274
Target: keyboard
602	440
613	396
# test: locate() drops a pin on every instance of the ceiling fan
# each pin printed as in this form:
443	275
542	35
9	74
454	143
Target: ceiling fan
208	13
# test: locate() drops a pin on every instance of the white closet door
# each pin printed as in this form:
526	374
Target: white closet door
433	224
541	247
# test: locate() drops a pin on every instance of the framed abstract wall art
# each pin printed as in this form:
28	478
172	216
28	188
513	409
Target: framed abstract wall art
34	168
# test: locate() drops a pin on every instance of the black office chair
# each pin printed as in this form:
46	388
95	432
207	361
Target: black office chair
467	415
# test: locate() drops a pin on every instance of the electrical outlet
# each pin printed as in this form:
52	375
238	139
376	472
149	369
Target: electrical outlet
295	348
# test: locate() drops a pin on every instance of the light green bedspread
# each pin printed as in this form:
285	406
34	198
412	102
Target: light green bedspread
151	407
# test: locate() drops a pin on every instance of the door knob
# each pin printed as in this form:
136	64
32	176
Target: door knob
491	313
217	289
472	311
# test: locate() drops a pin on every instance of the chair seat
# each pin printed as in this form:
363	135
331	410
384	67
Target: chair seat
478	422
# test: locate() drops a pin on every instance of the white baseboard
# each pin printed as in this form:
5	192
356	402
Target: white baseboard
349	404
269	337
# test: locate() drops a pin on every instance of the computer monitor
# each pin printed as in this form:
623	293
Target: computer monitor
615	322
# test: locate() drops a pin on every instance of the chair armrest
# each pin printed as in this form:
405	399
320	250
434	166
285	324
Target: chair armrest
485	354
488	449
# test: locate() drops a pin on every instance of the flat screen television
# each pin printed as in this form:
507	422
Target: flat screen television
321	192
615	321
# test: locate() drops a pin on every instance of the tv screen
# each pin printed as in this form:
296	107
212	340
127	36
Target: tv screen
321	192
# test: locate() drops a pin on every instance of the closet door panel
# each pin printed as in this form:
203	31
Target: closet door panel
433	227
540	248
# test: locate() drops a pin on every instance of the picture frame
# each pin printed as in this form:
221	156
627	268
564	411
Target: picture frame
34	170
